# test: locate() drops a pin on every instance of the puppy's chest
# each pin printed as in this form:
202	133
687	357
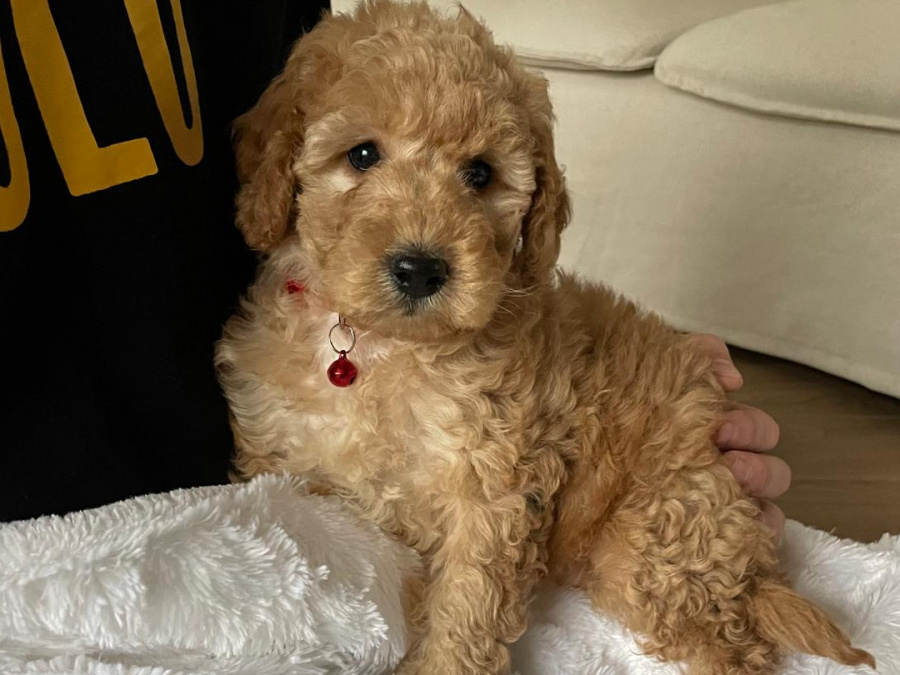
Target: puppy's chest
387	431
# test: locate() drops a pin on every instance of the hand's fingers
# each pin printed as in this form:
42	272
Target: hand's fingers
714	347
773	518
760	476
727	375
748	428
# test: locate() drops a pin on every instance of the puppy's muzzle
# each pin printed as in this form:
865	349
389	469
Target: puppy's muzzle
417	275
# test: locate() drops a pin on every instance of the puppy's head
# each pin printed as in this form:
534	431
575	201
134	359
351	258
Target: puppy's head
413	161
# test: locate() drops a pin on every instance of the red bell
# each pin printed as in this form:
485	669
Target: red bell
342	373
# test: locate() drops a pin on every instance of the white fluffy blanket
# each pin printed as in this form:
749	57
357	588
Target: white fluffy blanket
263	579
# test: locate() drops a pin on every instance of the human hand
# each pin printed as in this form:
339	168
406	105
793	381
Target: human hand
745	435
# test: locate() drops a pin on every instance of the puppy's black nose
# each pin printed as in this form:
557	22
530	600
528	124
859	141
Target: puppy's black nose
418	276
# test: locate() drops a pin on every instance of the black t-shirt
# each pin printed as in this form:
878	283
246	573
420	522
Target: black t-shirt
119	259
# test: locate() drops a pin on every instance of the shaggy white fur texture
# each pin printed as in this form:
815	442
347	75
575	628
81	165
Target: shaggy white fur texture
263	579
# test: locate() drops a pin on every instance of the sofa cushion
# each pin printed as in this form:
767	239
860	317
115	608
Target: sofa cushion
589	34
829	60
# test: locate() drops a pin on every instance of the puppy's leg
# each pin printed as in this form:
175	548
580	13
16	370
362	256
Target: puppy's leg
476	599
682	559
679	563
688	567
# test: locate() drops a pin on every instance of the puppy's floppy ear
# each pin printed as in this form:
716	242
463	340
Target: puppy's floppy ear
267	138
550	208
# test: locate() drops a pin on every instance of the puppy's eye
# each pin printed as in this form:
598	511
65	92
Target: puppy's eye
477	174
364	156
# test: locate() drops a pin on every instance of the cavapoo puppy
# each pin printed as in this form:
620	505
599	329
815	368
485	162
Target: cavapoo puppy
410	346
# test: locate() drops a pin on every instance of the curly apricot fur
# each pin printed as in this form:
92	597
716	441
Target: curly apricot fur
520	423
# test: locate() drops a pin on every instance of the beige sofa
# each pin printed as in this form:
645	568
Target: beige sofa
735	166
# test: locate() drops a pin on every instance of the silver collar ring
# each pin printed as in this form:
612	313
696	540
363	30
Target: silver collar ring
344	325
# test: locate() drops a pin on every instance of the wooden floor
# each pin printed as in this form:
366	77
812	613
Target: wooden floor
841	440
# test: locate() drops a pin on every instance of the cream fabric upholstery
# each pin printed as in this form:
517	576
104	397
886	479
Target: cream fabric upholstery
589	34
830	60
780	235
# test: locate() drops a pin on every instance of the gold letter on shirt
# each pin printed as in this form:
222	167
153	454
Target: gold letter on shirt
85	166
14	198
147	27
